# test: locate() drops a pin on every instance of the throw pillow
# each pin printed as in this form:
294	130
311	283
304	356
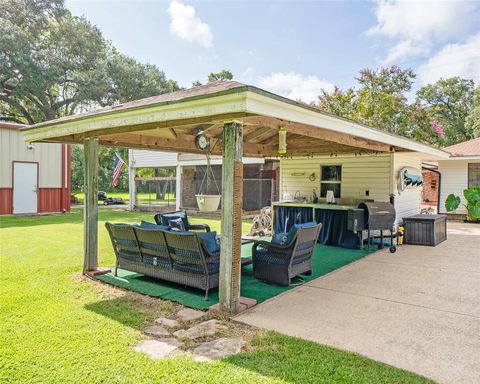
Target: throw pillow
147	225
176	225
210	240
166	217
280	238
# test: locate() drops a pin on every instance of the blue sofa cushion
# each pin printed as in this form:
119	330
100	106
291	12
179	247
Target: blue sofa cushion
166	217
280	238
211	241
295	227
147	225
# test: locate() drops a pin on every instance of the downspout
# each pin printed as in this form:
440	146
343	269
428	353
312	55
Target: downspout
439	185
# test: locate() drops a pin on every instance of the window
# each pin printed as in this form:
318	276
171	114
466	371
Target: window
331	180
474	175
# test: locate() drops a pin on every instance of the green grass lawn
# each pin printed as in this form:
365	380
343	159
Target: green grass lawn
58	327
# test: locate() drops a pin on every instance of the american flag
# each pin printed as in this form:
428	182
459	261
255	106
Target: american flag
116	172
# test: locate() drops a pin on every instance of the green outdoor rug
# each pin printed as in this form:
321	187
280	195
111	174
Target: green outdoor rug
325	259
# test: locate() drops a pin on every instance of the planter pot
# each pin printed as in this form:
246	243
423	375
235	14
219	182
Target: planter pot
208	203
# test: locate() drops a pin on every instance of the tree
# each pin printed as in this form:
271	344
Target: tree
472	121
448	103
379	100
222	75
54	64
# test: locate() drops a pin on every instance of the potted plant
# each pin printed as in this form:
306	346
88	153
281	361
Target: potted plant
472	196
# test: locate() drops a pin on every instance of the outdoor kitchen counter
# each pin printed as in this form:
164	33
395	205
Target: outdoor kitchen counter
332	216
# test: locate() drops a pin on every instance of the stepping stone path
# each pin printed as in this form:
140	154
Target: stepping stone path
158	349
157	331
207	328
188	314
218	349
169	323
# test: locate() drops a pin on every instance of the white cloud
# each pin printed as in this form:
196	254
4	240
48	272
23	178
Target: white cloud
295	86
453	60
186	25
417	25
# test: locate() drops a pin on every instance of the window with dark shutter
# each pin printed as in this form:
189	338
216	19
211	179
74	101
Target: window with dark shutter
474	175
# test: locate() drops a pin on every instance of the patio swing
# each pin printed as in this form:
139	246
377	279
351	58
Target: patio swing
205	202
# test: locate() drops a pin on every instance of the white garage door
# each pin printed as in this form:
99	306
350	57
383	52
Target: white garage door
25	188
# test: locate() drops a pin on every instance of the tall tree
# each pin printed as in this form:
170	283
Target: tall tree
54	64
222	75
449	102
379	100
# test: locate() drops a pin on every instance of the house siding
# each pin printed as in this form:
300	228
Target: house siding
153	159
359	174
454	180
407	202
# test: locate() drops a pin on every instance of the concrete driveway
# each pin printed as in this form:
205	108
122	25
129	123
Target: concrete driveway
417	309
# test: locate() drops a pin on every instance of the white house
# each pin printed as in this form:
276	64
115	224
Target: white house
460	171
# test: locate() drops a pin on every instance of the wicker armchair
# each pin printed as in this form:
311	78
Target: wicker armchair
162	219
278	264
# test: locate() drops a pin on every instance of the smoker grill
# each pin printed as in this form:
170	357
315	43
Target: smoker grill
379	216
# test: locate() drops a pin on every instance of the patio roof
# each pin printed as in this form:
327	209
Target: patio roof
168	122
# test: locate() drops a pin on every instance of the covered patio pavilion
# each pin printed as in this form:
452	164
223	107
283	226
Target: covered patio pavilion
240	120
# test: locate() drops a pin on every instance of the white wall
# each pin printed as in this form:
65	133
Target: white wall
146	159
359	174
407	202
454	180
14	148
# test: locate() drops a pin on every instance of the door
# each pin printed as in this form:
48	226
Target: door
25	188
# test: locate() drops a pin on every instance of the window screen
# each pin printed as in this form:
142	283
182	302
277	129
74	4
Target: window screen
331	179
474	175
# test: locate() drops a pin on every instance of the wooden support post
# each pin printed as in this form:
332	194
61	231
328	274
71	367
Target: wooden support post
90	244
232	194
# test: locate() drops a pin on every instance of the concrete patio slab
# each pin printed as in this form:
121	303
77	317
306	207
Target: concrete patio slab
417	309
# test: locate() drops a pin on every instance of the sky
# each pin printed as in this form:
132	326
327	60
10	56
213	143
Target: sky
293	48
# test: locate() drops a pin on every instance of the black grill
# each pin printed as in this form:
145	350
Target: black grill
378	215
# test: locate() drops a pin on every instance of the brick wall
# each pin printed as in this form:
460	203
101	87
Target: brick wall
430	187
188	188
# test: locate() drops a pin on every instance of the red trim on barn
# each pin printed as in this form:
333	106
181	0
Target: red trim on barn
6	199
49	200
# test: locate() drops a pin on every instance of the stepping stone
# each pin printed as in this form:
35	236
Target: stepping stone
158	349
169	323
218	349
157	331
207	328
189	314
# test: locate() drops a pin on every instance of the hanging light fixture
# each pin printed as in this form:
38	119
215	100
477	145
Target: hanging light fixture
282	141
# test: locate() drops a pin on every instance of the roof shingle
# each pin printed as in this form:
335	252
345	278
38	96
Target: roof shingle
467	148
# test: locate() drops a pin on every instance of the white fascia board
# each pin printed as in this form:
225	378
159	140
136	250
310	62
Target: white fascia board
200	107
268	106
460	158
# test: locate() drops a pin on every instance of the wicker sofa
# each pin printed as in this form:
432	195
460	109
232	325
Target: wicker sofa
279	264
181	258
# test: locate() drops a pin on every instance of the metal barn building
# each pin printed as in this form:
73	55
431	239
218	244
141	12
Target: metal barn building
34	178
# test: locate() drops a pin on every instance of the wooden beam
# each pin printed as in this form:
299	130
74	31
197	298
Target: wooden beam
90	242
232	185
183	143
257	132
320	133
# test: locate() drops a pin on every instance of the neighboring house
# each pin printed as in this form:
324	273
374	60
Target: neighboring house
260	176
460	171
33	178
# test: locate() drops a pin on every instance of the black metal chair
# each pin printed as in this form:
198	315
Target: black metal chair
279	264
163	218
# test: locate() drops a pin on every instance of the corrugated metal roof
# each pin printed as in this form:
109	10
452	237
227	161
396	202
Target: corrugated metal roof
467	148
